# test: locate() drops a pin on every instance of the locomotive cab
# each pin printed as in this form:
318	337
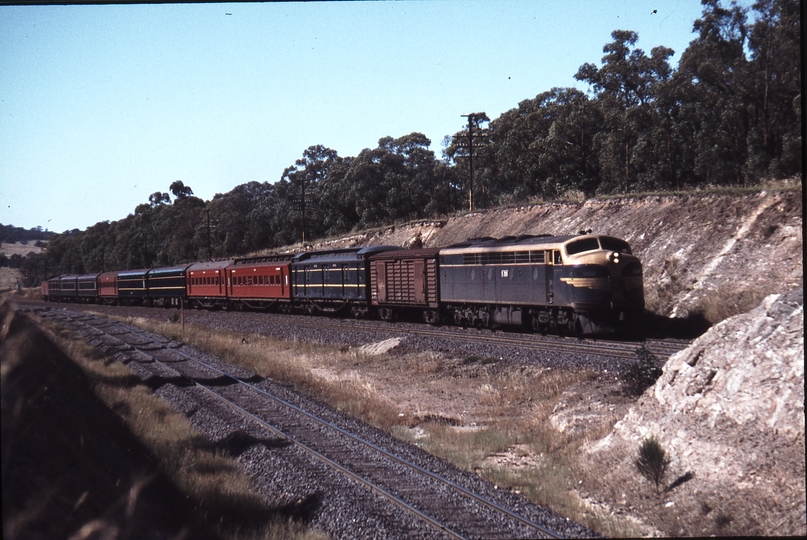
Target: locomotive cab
603	278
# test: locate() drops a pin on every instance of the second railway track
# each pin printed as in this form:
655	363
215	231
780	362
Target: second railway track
437	506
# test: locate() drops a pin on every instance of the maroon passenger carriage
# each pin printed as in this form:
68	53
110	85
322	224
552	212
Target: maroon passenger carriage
207	284
260	282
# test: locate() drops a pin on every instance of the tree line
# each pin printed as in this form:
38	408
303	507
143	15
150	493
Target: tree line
730	114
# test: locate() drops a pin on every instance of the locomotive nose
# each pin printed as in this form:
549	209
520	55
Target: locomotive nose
614	257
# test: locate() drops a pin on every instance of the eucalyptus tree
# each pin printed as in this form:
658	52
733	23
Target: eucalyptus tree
304	179
625	88
713	78
775	137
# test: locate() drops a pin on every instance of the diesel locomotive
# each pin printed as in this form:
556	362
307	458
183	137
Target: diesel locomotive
579	284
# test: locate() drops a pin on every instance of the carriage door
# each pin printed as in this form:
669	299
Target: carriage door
381	280
420	280
550	278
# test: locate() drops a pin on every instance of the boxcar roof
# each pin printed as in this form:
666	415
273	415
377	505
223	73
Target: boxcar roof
406	254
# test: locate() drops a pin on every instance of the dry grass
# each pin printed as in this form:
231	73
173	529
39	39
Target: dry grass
225	498
508	414
316	368
729	300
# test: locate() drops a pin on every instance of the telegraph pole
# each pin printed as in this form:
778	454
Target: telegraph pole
473	119
470	118
302	188
209	254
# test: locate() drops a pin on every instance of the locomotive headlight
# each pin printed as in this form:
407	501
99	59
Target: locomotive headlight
614	257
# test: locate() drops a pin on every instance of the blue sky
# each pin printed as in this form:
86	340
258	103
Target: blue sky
100	106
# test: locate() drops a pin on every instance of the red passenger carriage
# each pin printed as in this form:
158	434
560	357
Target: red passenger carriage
207	284
260	282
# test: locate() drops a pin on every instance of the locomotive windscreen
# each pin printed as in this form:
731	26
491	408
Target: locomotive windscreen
584	244
614	244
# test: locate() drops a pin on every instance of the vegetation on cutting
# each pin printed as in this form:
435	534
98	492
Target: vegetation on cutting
641	374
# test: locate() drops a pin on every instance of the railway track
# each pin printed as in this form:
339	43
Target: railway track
663	349
447	507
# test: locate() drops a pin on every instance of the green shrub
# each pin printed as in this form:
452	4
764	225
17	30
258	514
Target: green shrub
642	374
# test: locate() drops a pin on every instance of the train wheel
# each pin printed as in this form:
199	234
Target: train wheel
431	316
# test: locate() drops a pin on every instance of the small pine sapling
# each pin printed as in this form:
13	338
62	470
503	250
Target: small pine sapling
652	461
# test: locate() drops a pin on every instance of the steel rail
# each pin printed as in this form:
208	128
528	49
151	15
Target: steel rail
462	490
319	456
618	349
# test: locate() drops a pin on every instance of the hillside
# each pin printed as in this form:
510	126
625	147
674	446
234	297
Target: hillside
715	254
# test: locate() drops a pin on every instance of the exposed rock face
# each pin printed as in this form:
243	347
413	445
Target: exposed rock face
729	411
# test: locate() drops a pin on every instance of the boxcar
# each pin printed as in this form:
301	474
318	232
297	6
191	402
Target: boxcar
260	282
207	284
405	280
333	280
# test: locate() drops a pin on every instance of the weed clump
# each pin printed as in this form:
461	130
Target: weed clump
642	374
652	461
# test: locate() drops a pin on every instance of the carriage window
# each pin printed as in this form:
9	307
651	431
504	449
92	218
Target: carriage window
613	244
584	244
